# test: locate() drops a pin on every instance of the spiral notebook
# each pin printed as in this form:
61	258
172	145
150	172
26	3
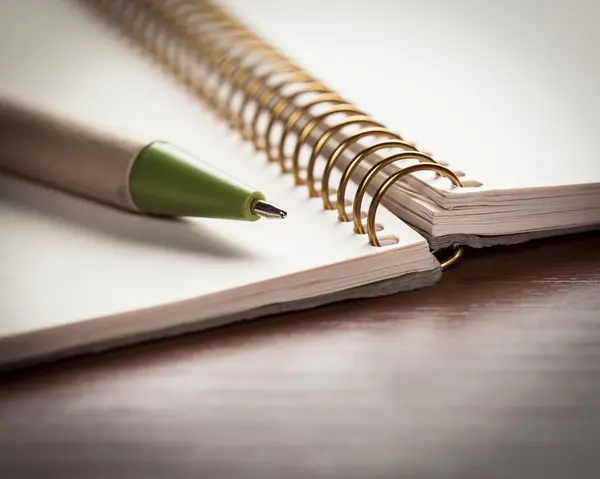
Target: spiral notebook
263	89
509	108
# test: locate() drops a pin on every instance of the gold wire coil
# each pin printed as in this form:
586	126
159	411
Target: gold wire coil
320	143
243	80
279	109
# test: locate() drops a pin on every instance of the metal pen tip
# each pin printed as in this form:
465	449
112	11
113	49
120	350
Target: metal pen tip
268	210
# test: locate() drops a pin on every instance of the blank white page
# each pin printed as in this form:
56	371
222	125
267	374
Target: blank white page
506	92
65	259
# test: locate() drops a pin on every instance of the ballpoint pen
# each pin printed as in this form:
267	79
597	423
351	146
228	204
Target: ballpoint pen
157	178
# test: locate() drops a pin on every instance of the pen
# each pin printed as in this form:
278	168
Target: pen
158	178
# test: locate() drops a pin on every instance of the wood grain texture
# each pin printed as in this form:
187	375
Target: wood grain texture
494	373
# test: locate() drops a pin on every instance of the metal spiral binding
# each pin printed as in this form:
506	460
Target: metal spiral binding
242	78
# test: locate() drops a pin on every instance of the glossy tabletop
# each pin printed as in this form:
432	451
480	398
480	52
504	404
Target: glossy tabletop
493	373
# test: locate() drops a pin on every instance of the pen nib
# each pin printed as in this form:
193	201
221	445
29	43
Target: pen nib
268	210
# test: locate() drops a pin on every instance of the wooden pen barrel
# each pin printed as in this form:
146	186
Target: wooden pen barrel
60	153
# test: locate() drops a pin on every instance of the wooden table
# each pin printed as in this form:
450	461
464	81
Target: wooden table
494	373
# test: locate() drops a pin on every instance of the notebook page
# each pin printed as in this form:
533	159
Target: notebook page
505	92
65	259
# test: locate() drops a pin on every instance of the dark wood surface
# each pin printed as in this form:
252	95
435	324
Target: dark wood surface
494	373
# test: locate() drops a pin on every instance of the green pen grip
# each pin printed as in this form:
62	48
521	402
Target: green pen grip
157	178
167	180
